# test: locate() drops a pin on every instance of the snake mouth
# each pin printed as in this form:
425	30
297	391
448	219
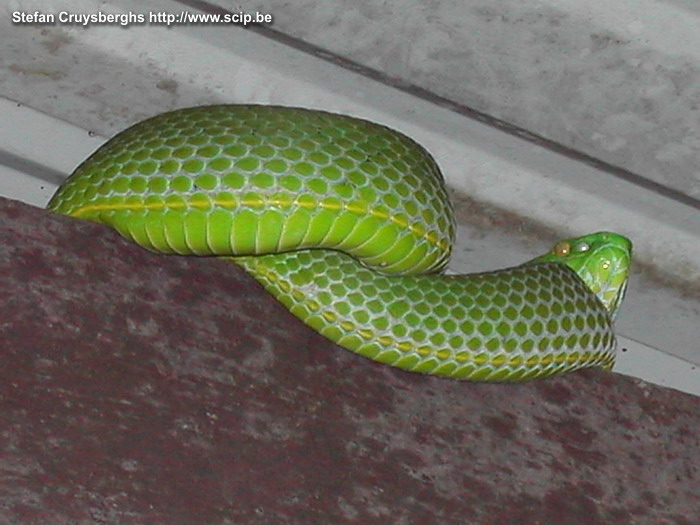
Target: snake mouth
613	271
606	269
619	296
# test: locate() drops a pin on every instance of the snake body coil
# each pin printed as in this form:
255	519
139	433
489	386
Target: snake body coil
349	225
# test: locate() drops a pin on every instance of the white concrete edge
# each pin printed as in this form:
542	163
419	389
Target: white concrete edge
639	360
46	140
24	187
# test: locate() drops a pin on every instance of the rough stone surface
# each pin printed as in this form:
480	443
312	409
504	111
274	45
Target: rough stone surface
139	388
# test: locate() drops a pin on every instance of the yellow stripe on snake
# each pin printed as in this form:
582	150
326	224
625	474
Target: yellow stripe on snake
348	224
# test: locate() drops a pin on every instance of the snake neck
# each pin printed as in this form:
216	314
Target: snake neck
521	323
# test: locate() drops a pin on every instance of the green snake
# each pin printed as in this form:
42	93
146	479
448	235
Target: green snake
348	224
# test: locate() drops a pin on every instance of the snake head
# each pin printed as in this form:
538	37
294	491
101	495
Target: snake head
601	260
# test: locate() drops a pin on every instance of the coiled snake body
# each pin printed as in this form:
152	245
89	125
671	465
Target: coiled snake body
348	224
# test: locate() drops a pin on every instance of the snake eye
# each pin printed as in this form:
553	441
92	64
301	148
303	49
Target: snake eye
582	247
562	249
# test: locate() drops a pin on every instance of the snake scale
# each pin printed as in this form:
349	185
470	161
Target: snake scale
349	225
